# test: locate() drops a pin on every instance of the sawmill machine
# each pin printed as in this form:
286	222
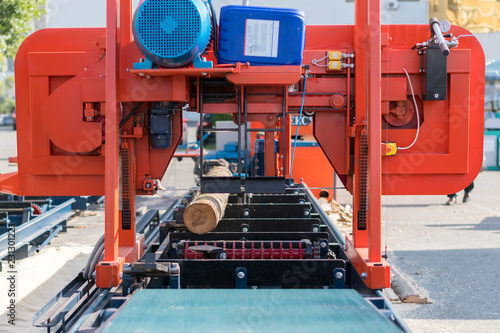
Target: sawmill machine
396	109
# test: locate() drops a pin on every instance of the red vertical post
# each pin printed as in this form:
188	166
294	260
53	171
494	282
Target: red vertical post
112	149
360	237
125	28
374	133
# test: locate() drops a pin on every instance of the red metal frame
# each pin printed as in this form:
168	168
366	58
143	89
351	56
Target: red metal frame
72	86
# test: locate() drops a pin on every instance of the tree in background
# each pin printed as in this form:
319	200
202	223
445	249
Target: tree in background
7	103
16	22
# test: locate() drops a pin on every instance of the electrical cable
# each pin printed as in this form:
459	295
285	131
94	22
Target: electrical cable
94	253
416	111
315	61
127	117
298	126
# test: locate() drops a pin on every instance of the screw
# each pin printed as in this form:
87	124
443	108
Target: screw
246	213
364	276
244	229
436	95
223	255
344	247
174	245
307	212
339	275
323	244
315	229
241	275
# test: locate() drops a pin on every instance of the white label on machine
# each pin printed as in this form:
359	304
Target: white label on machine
261	38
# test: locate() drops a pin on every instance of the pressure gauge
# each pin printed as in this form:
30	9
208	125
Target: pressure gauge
445	26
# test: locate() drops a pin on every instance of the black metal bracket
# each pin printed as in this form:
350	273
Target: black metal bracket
339	278
240	277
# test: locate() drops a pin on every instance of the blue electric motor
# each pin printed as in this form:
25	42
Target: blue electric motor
172	33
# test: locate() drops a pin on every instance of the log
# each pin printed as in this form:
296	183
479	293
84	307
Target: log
207	209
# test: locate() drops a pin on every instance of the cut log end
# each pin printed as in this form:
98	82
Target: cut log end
206	210
200	218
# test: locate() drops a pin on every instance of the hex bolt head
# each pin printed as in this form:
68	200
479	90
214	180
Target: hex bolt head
315	229
241	275
323	244
339	275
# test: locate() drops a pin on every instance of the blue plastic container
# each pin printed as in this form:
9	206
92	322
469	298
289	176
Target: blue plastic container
261	35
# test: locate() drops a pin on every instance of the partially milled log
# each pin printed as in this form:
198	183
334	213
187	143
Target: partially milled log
207	209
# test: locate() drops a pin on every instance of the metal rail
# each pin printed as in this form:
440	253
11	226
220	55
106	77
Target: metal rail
33	229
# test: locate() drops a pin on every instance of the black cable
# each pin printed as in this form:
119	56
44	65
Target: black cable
127	117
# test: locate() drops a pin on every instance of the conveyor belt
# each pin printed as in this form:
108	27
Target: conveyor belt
259	310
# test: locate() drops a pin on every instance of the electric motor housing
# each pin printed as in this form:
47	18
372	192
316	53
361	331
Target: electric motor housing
172	33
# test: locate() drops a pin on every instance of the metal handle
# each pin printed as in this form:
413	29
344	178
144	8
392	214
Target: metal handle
434	25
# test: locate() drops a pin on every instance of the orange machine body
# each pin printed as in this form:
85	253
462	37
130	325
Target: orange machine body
73	87
58	71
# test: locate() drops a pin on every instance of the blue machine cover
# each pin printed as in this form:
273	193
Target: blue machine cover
171	33
261	36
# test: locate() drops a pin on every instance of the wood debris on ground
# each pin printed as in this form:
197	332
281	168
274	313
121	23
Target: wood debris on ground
336	212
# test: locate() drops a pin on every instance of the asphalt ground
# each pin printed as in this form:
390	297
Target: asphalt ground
450	252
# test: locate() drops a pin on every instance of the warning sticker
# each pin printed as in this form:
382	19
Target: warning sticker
261	38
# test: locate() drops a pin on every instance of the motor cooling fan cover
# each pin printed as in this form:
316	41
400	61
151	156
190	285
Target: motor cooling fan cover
171	33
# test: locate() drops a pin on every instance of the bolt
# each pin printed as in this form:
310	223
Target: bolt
241	275
307	212
436	41
315	229
246	213
323	244
174	245
339	275
244	229
364	276
223	255
344	247
436	95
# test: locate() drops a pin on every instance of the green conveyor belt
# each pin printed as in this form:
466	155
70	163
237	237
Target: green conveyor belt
261	310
